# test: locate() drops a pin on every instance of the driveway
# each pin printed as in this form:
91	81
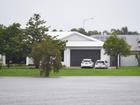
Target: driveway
81	90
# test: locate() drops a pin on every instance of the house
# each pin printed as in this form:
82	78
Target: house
133	41
78	47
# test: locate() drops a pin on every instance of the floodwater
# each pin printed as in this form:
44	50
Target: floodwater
73	90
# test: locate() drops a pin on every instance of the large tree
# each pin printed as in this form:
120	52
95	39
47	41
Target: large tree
35	32
2	30
115	46
12	42
48	53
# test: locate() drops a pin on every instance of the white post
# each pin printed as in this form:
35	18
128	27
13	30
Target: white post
67	57
4	60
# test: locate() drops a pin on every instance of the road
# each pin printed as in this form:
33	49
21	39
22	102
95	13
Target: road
73	90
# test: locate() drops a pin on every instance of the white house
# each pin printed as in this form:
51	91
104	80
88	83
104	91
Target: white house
133	41
78	47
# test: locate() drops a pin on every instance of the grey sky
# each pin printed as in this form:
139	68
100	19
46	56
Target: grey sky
67	14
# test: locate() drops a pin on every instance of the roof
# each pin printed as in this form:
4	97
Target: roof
61	35
91	42
132	40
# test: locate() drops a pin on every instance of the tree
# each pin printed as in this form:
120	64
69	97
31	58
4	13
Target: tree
88	33
2	30
12	42
48	53
115	46
124	31
95	32
35	32
54	30
80	30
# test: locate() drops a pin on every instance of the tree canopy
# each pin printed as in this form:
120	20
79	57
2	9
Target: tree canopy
35	30
35	33
88	33
48	53
122	31
115	46
12	42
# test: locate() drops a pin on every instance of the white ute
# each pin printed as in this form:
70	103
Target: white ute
87	63
101	64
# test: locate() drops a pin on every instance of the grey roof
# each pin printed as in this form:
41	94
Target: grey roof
132	40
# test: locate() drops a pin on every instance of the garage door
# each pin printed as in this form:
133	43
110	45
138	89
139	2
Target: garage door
78	55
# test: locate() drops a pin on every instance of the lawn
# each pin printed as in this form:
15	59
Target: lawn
26	71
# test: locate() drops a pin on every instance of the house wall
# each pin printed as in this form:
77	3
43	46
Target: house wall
29	61
3	59
129	61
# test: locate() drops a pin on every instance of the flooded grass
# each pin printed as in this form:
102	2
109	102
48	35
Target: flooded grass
123	71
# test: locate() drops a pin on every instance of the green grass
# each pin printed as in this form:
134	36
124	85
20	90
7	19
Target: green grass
26	71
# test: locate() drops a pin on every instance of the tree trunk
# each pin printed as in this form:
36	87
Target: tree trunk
36	66
139	62
44	73
47	73
8	64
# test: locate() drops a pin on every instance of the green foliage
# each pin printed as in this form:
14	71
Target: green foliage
123	31
115	46
12	41
48	52
2	30
88	33
35	31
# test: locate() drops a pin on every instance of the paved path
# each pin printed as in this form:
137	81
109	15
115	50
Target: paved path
91	90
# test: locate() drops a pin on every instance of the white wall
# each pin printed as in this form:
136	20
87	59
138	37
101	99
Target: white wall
129	61
29	61
67	57
3	59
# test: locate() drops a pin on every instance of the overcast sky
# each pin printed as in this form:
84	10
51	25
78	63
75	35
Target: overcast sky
67	14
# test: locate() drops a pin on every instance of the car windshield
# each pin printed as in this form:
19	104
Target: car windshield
100	62
87	60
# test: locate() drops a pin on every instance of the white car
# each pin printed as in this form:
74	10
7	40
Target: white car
87	63
101	64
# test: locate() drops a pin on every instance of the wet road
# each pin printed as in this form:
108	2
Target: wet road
91	90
